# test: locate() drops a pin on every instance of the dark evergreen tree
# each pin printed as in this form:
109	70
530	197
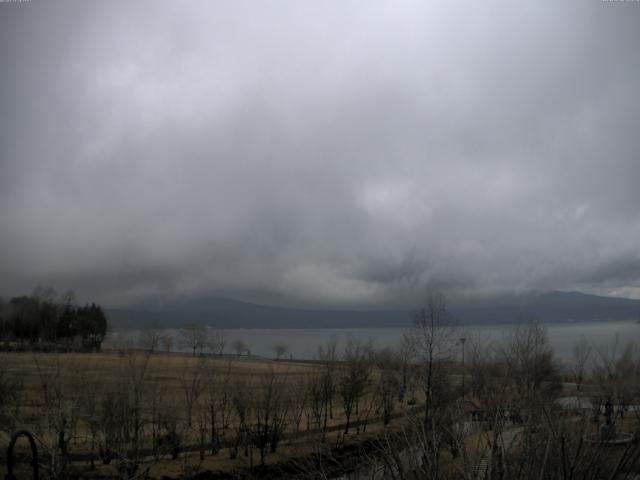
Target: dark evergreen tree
45	318
26	321
67	327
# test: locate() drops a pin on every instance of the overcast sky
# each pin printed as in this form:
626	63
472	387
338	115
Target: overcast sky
333	153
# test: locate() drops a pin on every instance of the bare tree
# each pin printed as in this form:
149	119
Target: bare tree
432	338
61	400
191	384
548	442
404	354
194	337
581	353
354	376
167	343
216	342
270	408
615	372
157	399
90	413
530	361
478	359
123	417
11	399
280	349
150	338
299	401
328	355
388	384
317	400
241	401
240	347
218	399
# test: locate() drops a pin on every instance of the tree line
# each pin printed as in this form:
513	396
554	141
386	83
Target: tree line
493	415
46	319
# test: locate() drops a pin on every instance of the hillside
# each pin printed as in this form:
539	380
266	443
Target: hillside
226	313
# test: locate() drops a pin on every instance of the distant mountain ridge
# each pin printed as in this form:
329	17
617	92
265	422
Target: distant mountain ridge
226	313
552	306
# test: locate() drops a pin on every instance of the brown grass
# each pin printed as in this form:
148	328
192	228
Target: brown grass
78	374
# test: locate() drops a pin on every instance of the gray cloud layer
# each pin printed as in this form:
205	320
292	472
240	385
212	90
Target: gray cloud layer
325	153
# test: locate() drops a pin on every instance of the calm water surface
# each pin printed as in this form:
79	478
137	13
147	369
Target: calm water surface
303	343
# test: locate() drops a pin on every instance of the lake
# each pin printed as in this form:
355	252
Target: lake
303	343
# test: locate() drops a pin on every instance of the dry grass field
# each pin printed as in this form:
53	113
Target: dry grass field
176	414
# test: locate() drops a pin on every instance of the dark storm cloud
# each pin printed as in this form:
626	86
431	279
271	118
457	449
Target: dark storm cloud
327	153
